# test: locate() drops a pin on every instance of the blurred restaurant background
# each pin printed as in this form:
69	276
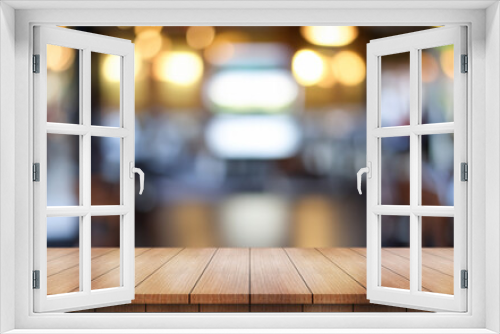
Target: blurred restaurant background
248	136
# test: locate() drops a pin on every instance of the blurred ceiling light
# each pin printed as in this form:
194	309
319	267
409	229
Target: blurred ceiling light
430	67
255	90
253	136
447	62
348	68
308	67
139	29
329	36
59	58
182	68
219	52
200	37
149	43
111	68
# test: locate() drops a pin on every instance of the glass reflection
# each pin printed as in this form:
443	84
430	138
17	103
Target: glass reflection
395	90
63	84
437	170
105	169
63	179
395	170
437	84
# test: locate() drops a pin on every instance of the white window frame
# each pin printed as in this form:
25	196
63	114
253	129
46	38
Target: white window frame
85	43
483	125
414	43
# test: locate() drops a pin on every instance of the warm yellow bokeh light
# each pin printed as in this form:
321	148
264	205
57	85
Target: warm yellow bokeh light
139	29
200	37
110	68
430	67
349	68
447	62
329	35
148	43
182	68
59	58
308	67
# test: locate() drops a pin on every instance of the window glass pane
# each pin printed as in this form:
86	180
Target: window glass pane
395	89
437	169
63	168
395	170
437	254
105	91
105	168
395	253
437	84
63	255
63	85
105	252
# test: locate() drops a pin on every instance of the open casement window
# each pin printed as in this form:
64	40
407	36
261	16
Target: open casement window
416	145
78	147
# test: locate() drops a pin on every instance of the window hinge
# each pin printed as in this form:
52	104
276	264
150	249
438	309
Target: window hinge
464	174
36	279
36	172
465	279
465	64
36	63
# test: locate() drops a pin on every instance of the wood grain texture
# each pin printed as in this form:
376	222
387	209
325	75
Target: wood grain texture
226	280
275	280
69	260
329	308
429	259
55	252
276	308
230	308
173	282
126	308
172	308
377	308
147	261
328	283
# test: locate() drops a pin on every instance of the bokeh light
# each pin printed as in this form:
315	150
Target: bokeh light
140	29
447	62
148	43
349	68
200	37
308	67
329	35
59	58
111	68
182	68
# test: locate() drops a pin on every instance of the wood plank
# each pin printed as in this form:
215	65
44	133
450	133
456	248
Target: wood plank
55	252
225	280
172	282
231	308
172	308
377	308
276	308
275	280
328	283
68	280
126	308
72	259
147	260
429	259
329	308
444	252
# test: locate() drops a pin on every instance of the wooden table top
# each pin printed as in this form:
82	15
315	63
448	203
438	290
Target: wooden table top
250	275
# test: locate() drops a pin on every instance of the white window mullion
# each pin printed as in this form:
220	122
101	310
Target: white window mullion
414	171
86	246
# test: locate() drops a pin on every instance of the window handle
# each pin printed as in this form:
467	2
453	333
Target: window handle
141	176
368	171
